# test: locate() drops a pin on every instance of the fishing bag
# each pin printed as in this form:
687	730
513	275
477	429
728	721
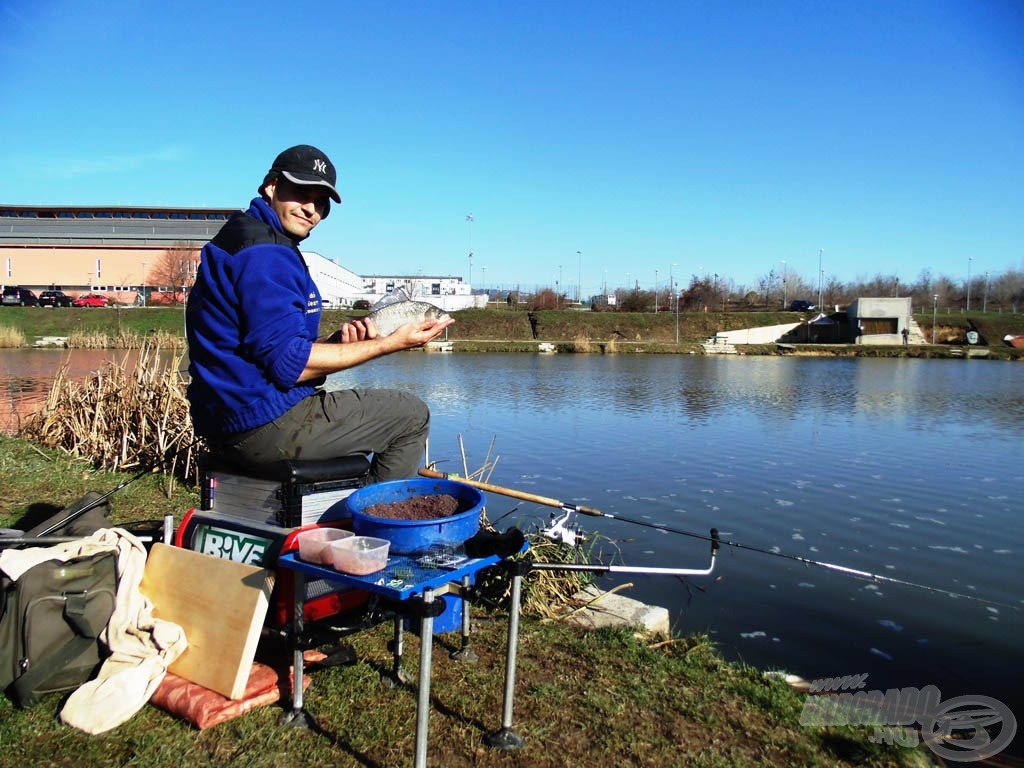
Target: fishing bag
51	619
52	615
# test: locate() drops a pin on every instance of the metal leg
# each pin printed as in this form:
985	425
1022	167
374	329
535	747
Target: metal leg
298	717
398	676
423	698
465	653
505	738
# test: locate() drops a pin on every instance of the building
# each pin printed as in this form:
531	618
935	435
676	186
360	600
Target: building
879	321
131	252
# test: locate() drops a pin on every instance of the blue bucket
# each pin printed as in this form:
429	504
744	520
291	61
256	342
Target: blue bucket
412	537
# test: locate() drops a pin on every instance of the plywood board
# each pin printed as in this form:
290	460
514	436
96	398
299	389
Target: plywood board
220	604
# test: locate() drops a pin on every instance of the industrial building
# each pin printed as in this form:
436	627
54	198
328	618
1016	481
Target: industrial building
150	255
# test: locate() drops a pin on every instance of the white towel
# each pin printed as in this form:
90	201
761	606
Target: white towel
141	646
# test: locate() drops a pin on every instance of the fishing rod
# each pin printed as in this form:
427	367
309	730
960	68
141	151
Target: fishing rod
74	514
561	532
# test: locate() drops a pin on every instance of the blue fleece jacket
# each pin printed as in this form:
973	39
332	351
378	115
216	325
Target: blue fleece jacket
251	320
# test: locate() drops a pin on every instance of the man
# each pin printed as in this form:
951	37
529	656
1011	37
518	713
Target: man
252	324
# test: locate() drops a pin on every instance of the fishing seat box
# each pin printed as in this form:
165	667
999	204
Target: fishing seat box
287	493
254	515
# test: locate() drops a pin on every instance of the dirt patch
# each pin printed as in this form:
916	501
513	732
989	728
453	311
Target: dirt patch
415	508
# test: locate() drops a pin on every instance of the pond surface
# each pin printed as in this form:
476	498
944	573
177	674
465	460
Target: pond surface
908	469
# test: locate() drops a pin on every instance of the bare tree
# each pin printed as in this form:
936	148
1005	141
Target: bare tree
175	270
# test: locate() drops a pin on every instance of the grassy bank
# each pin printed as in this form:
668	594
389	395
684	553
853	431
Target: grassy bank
500	329
602	698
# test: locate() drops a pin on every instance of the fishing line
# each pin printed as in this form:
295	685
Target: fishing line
846	570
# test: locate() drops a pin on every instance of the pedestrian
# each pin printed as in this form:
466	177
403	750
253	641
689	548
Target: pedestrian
906	335
256	364
532	317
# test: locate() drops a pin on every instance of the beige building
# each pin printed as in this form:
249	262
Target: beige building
125	253
120	252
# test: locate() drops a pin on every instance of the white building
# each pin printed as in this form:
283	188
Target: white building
340	287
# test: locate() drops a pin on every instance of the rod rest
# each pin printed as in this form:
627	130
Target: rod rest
293	470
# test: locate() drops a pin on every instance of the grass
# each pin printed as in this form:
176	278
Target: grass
500	329
582	698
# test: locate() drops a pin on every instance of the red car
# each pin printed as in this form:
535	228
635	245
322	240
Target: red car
91	300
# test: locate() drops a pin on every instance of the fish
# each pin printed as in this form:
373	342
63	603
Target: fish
390	317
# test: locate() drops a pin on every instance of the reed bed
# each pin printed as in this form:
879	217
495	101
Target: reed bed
123	339
11	338
581	343
124	418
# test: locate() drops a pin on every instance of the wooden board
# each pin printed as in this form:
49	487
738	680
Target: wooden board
220	604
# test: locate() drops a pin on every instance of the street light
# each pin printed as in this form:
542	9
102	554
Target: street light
984	303
655	291
935	308
579	277
820	275
143	283
469	224
969	260
675	295
785	296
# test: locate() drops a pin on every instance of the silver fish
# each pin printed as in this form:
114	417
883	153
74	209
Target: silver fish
389	318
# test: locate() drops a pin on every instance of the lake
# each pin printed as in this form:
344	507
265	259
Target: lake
910	469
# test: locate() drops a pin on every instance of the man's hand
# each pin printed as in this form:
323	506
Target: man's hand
358	329
418	333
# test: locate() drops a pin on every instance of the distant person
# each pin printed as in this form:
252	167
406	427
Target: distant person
906	335
532	317
256	364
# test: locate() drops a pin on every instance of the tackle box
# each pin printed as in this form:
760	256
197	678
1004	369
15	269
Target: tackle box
254	543
285	493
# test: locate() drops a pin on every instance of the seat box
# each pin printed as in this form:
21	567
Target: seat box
287	493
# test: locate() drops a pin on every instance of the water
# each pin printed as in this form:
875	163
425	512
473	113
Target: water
911	469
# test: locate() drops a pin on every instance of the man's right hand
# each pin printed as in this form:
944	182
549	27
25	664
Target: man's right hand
418	333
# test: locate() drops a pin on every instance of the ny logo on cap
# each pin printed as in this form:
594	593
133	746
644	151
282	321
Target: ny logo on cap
319	166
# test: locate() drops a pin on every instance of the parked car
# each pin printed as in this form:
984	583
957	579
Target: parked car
799	305
54	299
91	300
16	296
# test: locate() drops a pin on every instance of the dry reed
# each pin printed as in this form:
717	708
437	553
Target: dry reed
123	340
123	418
11	338
581	343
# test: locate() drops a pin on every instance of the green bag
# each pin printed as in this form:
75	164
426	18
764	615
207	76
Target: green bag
50	621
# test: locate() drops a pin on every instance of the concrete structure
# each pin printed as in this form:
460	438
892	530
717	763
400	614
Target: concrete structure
879	321
126	252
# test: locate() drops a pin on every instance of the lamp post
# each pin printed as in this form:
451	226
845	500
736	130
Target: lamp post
935	309
785	296
984	303
469	225
558	291
675	295
143	283
579	277
820	275
655	291
969	260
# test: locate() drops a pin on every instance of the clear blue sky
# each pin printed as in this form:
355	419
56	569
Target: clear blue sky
716	136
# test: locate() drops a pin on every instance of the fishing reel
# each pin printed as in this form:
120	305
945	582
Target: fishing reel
559	530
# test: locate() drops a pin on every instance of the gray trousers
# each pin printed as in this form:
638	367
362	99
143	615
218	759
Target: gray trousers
393	425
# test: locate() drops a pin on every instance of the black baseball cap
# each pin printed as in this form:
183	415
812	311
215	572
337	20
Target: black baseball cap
304	165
